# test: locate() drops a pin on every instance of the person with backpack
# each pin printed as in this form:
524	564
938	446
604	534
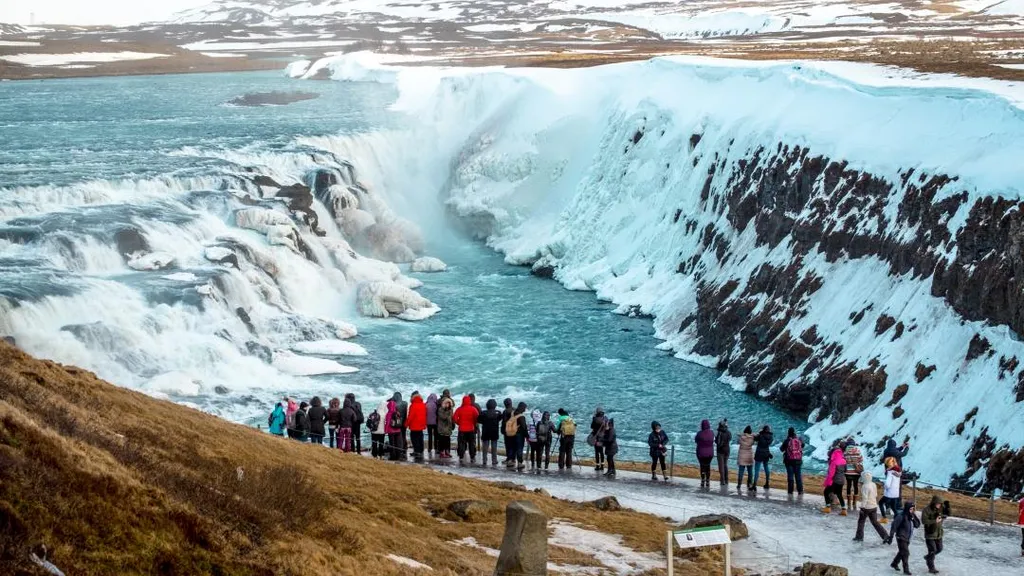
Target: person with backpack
510	439
903	530
376	424
657	441
566	428
276	420
515	428
762	455
346	425
531	438
891	488
544	433
834	480
466	418
417	424
745	459
431	423
393	426
723	441
402	409
598	424
445	424
300	430
868	508
333	421
357	433
611	448
490	430
854	467
793	459
932	518
705	440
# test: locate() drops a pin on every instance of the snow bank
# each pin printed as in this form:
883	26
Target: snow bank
297	365
385	299
64	59
330	348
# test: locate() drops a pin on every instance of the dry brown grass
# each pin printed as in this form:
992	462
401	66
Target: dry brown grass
115	482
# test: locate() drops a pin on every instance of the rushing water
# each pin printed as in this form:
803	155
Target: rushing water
82	157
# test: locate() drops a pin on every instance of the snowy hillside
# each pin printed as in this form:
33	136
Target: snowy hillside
839	239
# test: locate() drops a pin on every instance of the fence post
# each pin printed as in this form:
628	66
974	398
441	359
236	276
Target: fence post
669	554
913	495
672	462
992	508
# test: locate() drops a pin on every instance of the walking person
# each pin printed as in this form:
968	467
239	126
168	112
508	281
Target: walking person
891	488
566	439
544	433
393	426
300	429
793	459
834	480
903	530
490	430
333	421
346	425
276	420
357	433
417	424
723	441
657	441
445	424
611	448
598	424
465	419
932	518
745	459
868	508
431	423
854	467
705	440
375	423
762	454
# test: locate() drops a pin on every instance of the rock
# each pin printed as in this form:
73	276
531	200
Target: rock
130	241
511	486
737	529
473	510
10	340
220	390
428	264
524	548
221	255
543	270
245	318
271	98
817	569
607	504
542	492
260	351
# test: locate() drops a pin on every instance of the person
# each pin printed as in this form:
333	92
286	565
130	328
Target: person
544	433
479	411
510	439
1020	522
431	423
276	421
290	408
868	508
490	430
762	454
903	530
515	428
854	467
891	488
417	425
834	480
793	459
657	441
898	453
932	519
346	425
566	439
465	418
357	433
377	423
723	441
611	448
445	424
705	440
300	429
393	426
597	432
402	409
317	416
745	459
531	438
333	421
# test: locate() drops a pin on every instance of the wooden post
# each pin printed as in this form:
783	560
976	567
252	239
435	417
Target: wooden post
672	463
669	553
727	553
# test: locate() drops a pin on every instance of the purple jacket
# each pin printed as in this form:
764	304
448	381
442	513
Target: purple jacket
432	410
705	441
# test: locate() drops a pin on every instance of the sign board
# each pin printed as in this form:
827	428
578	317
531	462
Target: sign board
700	537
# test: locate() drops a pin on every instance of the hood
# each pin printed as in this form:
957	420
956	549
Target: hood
292	405
303	406
890	445
391	405
865	477
417	399
655	425
348	403
705	425
492	404
466	402
432	399
507	402
316	401
767	429
907	506
397	397
723	426
599	411
546	417
936	500
536	415
278	409
335	403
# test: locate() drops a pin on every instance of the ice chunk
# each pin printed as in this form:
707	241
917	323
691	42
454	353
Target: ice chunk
330	348
297	365
428	264
151	261
386	299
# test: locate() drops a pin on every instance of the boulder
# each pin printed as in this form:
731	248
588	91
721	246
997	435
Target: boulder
817	569
606	504
510	486
473	510
524	548
428	264
10	340
737	529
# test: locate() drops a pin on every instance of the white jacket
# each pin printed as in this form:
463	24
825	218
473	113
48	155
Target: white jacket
868	492
892	484
382	410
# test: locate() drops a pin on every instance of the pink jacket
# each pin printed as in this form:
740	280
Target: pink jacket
834	461
289	412
387	419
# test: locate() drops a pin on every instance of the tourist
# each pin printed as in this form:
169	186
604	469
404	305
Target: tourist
544	434
793	459
516	428
431	423
657	441
705	440
932	518
510	439
479	411
346	425
290	408
854	466
723	442
834	480
762	454
611	448
300	429
597	431
393	426
402	409
490	430
903	530
445	424
745	459
892	486
531	438
466	418
417	423
357	433
276	421
868	508
1020	522
333	422
892	451
566	428
317	416
377	424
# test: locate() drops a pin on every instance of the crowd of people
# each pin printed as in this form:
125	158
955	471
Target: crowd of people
427	425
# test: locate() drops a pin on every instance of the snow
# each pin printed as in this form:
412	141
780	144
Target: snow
216	45
221	55
330	348
409	562
428	264
608	549
1006	8
182	277
298	365
152	261
60	59
18	43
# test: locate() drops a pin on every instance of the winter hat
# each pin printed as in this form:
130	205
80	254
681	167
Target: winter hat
303	406
936	500
655	425
599	411
792	432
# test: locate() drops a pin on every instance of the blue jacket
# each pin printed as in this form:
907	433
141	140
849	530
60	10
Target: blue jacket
276	421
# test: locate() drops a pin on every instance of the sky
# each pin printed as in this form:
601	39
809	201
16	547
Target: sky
90	12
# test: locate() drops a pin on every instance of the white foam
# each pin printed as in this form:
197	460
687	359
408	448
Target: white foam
330	348
297	365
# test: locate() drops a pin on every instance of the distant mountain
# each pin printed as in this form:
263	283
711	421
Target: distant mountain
10	29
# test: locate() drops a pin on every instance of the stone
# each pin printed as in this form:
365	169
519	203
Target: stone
473	510
130	242
817	569
10	340
221	390
737	529
542	492
606	504
510	486
524	548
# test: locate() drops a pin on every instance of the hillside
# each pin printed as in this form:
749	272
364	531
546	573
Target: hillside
114	482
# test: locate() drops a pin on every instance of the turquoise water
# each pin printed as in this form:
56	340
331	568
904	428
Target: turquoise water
501	333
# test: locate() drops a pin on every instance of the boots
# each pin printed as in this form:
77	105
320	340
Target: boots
654	477
826	510
842	512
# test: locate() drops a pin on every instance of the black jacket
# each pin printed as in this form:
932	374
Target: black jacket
302	422
490	423
348	415
723	440
658	443
894	451
317	417
359	412
763	451
904	523
597	423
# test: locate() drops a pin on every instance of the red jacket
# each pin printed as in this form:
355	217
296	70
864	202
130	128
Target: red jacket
466	416
1020	510
417	420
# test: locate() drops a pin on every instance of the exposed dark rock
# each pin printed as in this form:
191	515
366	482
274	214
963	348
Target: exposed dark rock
1019	388
271	98
130	241
221	390
606	504
818	569
897	412
635	311
1005	471
978	346
898	332
737	529
922	372
524	547
260	351
543	271
264	180
883	323
473	510
244	317
1007	365
967	418
898	395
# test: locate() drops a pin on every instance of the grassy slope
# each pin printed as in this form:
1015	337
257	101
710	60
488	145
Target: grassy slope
115	482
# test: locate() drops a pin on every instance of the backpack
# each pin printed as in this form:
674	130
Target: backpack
795	450
568	426
839	478
396	420
543	432
373	422
512	426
